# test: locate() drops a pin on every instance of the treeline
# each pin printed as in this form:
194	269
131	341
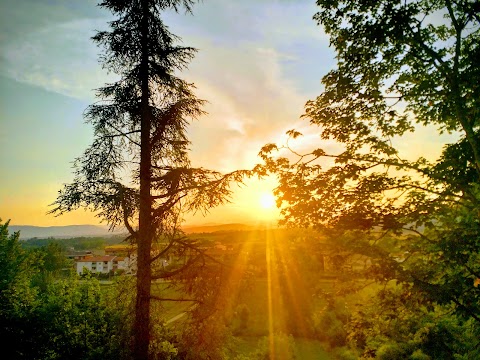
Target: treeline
77	243
47	314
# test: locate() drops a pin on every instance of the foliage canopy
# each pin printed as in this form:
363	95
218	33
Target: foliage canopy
400	65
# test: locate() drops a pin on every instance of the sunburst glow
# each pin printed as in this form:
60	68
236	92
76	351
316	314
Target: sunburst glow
267	201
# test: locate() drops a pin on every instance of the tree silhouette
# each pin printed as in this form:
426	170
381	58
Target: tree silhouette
400	65
136	172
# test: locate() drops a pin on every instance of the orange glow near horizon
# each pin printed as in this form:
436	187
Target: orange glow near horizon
251	204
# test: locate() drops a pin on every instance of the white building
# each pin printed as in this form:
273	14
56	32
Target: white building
100	264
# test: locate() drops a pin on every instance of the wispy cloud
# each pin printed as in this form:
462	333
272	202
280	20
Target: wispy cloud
250	103
59	58
258	63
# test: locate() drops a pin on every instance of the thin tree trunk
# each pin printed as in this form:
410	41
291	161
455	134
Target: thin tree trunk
144	242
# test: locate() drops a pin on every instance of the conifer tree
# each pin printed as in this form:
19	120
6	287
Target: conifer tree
137	173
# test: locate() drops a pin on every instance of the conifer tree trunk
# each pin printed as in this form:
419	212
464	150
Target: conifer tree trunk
144	242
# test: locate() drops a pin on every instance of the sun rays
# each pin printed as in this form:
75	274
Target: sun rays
264	274
269	252
286	292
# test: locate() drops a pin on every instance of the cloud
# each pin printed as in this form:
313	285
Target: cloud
59	58
257	65
250	104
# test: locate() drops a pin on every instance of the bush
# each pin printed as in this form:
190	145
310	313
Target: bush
344	353
240	319
330	324
283	348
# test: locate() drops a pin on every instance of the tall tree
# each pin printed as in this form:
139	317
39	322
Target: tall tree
400	65
137	173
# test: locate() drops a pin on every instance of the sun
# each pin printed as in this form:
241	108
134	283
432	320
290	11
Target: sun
267	201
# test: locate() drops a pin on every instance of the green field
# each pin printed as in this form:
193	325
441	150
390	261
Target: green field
257	330
305	349
170	309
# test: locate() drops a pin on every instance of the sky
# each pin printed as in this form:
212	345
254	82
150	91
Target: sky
258	63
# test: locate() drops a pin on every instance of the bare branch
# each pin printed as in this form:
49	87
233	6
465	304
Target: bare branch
154	297
169	274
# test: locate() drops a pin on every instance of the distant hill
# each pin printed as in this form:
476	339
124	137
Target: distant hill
70	231
217	227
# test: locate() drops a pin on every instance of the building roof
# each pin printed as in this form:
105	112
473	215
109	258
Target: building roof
98	258
78	253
